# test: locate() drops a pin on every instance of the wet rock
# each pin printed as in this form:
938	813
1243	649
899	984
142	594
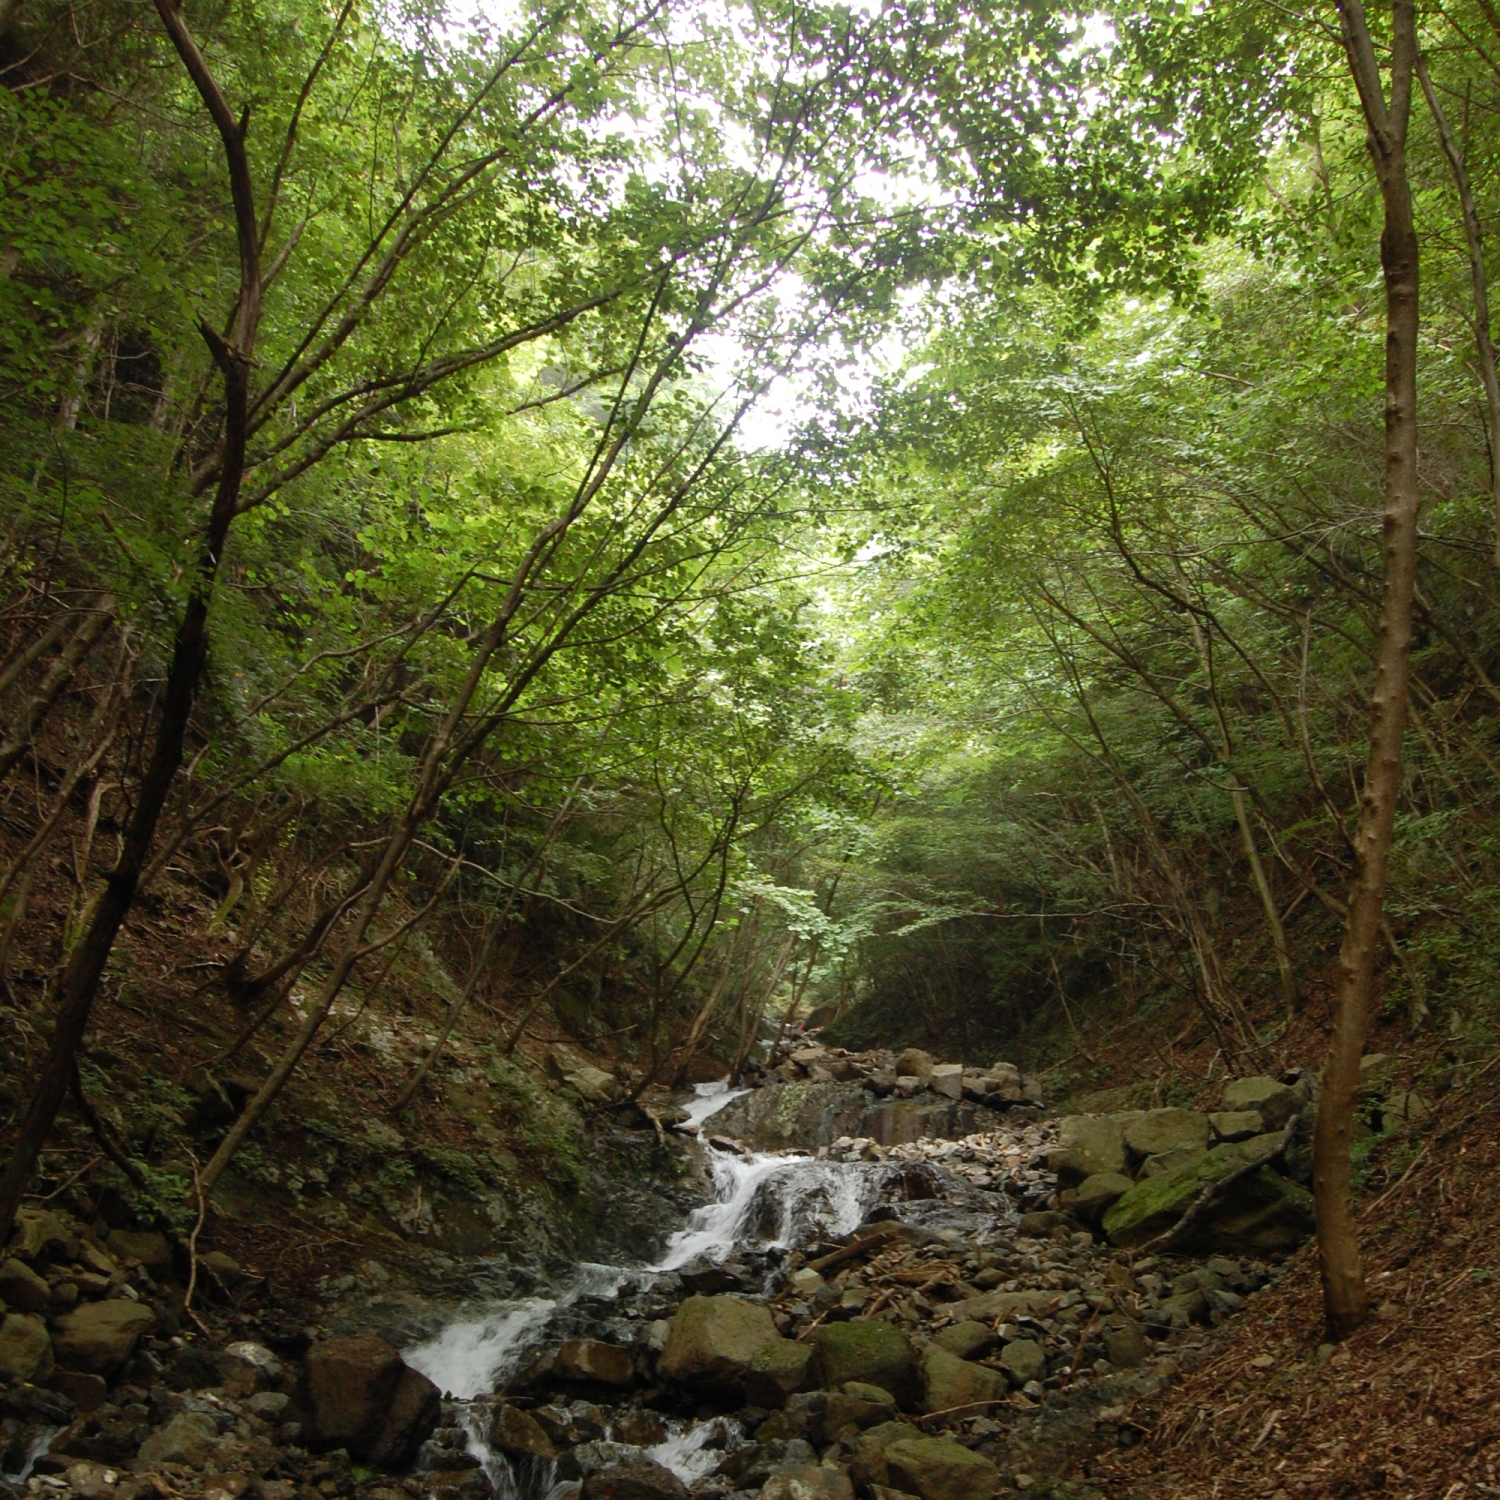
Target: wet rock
948	1381
1261	1212
750	1467
1025	1359
1087	1144
937	1469
188	1438
777	1369
1159	1130
518	1434
633	1478
809	1482
1275	1102
98	1337
638	1425
915	1063
875	1353
25	1349
21	1289
361	1396
584	1459
714	1339
595	1361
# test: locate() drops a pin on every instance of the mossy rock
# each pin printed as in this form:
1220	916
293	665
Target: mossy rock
1262	1212
876	1353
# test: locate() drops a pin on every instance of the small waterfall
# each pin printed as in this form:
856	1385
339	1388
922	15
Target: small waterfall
470	1358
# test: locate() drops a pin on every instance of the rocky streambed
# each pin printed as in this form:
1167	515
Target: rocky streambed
963	1307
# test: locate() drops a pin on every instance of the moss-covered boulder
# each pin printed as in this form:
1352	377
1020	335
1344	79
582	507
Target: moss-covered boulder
948	1381
1261	1212
776	1370
713	1340
875	1353
938	1469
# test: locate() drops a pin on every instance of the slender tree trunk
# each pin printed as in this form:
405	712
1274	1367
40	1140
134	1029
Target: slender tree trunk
79	982
1345	1297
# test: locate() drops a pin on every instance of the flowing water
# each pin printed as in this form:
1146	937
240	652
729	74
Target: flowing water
762	1201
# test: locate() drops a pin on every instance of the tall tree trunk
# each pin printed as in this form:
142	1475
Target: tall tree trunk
79	982
1345	1298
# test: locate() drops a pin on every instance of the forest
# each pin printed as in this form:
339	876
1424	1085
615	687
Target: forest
671	530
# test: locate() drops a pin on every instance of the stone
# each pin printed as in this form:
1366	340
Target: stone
634	1478
350	1383
258	1358
144	1245
225	1268
92	1481
1126	1347
408	1421
594	1360
1275	1102
1159	1130
86	1392
877	1353
867	1466
777	1369
947	1079
518	1434
854	1408
41	1236
1002	1307
1025	1359
1041	1222
1236	1124
1169	1161
750	1466
804	1281
1087	1144
188	1438
268	1405
808	1482
1395	1109
1242	1153
25	1349
937	1469
948	1381
593	1085
915	1063
98	1337
1097	1193
1262	1213
639	1426
713	1340
21	1289
965	1339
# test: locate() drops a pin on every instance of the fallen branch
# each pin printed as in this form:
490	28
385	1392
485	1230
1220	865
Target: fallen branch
1211	1195
855	1248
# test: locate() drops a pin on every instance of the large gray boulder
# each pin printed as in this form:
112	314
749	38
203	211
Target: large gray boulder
1159	1130
1087	1144
98	1337
937	1469
949	1381
714	1339
1275	1102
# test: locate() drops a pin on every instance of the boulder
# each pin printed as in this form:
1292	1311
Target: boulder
363	1397
947	1079
634	1478
21	1289
1094	1195
937	1469
98	1337
714	1339
1276	1102
808	1482
594	1360
1261	1213
41	1235
915	1063
518	1434
751	1466
1169	1161
965	1339
876	1353
25	1349
1002	1307
1236	1124
1126	1346
1087	1144
144	1245
776	1370
188	1438
948	1381
854	1408
408	1422
1025	1359
593	1085
1159	1130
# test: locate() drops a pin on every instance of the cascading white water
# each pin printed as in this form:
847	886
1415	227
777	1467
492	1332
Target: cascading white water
469	1358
